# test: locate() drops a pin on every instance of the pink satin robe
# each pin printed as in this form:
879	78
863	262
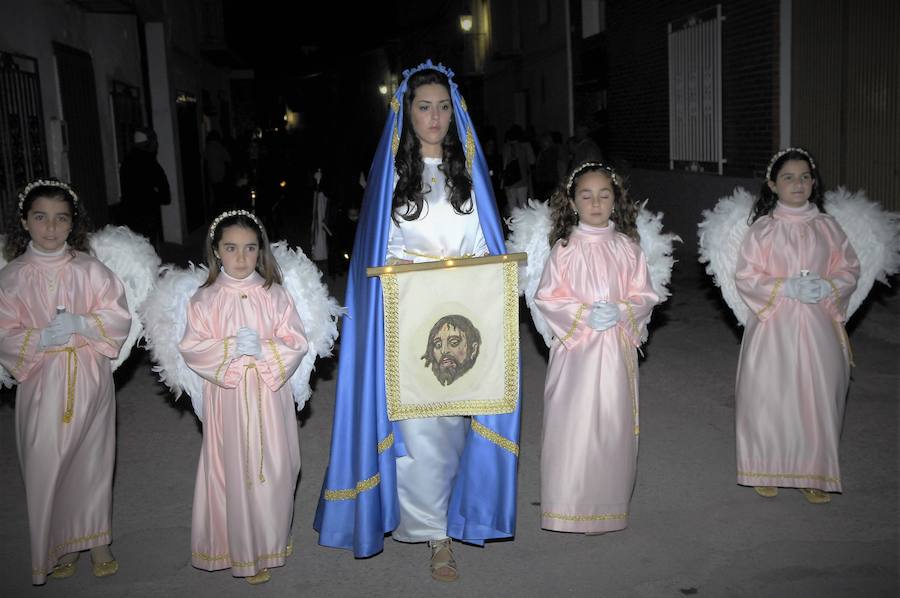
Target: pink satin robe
590	433
250	458
794	368
65	402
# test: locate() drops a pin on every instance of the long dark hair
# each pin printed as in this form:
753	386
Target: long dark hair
265	263
17	237
408	194
768	198
564	218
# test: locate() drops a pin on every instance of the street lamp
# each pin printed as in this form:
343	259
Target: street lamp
465	23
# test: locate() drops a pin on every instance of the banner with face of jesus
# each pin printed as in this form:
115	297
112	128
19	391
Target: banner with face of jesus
451	336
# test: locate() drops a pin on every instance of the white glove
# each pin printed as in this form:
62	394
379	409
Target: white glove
813	289
806	289
603	316
248	342
61	329
792	286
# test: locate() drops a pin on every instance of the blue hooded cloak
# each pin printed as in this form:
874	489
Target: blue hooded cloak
358	504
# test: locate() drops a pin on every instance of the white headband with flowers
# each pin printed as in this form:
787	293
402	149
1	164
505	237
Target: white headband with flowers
45	183
588	165
229	214
779	155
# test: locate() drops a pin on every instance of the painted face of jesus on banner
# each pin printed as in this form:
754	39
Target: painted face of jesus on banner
452	349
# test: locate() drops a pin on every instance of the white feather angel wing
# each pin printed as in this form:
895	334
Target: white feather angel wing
874	234
530	233
6	380
722	232
318	311
164	316
132	258
134	261
657	247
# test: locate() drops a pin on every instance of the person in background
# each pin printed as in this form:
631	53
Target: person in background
144	187
218	162
518	158
583	148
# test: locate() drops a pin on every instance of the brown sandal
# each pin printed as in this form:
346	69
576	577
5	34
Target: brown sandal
443	565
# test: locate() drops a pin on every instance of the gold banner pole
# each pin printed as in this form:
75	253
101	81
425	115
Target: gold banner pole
453	262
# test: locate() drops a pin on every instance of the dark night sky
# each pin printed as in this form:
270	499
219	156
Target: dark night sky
316	58
269	35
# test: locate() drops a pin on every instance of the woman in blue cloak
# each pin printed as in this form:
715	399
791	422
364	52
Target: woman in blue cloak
425	479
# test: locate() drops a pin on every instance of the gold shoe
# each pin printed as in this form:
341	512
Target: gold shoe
766	491
443	565
105	569
262	577
64	570
816	496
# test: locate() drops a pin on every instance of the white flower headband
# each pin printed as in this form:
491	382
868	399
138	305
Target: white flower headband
45	183
587	165
779	155
229	214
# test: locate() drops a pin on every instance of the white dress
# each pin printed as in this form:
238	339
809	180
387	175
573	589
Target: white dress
434	445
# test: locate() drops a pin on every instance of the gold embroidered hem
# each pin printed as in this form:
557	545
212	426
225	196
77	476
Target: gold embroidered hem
470	148
600	517
387	443
395	139
574	326
834	291
581	523
757	475
281	370
771	301
82	543
208	562
490	435
102	329
224	361
23	350
352	493
39	575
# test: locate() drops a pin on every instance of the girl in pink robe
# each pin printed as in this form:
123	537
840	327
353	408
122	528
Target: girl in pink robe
63	318
796	271
596	296
245	338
